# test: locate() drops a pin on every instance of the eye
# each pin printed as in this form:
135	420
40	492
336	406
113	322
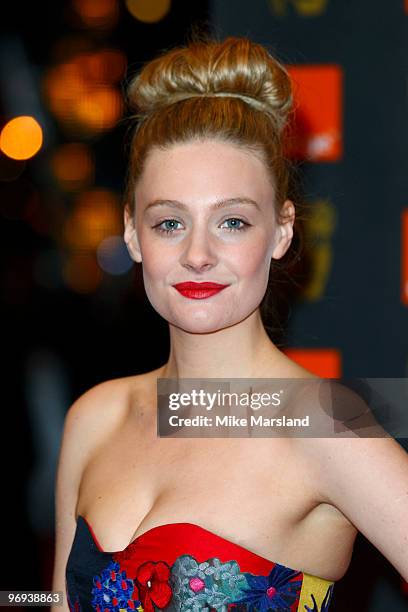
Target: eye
238	225
235	227
170	227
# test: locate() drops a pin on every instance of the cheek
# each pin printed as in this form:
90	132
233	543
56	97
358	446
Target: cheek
155	264
252	262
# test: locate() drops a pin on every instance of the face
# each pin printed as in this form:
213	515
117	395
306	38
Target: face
205	213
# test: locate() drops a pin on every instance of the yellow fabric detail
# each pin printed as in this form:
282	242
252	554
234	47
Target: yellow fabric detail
313	585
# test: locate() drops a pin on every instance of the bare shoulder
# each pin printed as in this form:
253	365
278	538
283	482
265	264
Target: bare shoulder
88	423
343	427
367	479
362	472
97	411
92	418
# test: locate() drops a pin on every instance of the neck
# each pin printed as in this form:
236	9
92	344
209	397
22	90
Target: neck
243	350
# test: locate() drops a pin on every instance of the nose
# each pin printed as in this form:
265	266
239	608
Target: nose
198	254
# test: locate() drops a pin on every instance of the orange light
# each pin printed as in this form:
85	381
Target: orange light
317	124
96	216
21	138
97	13
148	11
104	67
81	273
73	165
79	92
99	109
323	362
115	63
404	257
64	85
304	8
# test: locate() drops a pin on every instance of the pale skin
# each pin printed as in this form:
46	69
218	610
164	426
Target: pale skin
298	502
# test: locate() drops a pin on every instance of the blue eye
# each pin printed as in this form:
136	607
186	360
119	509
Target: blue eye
171	223
166	231
234	228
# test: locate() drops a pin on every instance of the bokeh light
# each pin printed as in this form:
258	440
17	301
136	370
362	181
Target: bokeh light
81	91
63	86
99	109
148	11
21	137
113	256
81	272
95	216
97	13
73	166
102	67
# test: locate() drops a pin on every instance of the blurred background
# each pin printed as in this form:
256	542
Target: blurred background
74	307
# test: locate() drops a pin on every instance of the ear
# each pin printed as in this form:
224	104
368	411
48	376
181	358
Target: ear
130	236
284	229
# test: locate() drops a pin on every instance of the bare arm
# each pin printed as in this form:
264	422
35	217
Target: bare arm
367	480
67	484
88	421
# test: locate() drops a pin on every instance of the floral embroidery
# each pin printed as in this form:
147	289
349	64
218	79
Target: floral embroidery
192	586
325	602
116	582
204	586
277	591
152	581
113	591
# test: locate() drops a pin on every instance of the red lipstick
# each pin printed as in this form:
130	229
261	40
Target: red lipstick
198	291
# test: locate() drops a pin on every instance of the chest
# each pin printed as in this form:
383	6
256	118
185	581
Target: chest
248	489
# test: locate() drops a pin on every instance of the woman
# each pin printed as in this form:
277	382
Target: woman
225	524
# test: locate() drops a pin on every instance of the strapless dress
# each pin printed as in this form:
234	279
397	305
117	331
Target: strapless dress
181	567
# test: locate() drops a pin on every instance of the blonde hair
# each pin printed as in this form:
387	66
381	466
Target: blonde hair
231	90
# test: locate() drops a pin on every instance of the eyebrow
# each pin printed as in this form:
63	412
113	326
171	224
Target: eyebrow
219	204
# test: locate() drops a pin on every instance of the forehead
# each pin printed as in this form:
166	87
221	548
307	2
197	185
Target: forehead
200	171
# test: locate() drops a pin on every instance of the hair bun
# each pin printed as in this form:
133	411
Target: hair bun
235	67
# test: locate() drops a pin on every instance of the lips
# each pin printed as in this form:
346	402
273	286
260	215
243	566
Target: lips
199	291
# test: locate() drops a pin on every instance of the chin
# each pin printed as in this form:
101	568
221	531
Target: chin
199	329
201	323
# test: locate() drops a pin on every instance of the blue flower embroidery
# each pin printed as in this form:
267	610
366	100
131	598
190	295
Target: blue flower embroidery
112	590
277	591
